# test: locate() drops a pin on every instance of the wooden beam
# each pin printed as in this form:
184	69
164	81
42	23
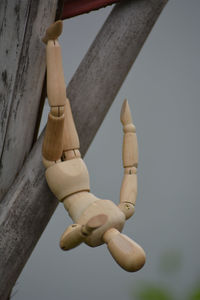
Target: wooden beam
28	206
22	65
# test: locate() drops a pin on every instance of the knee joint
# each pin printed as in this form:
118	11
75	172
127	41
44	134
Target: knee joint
57	111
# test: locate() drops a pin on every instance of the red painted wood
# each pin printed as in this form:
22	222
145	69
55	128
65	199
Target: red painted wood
77	7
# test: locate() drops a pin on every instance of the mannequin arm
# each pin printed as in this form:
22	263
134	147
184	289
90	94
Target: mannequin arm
128	191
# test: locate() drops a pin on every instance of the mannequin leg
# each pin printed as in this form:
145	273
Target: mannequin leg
56	91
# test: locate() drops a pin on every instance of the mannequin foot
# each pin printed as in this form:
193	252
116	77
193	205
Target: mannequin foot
53	31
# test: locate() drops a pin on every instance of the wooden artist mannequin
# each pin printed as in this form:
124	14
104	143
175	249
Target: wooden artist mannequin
96	221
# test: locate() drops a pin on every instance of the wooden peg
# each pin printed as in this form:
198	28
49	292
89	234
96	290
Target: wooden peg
57	111
71	154
115	219
127	253
94	223
127	208
48	163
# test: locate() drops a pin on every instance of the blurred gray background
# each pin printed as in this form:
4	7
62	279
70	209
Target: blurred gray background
163	91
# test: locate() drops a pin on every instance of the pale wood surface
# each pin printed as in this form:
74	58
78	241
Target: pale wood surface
70	154
75	234
95	222
130	144
68	177
56	88
72	237
53	31
22	66
127	253
128	191
115	219
29	204
52	147
70	136
60	133
77	203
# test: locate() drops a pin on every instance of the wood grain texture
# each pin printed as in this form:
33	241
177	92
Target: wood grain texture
56	88
52	147
29	204
23	219
22	67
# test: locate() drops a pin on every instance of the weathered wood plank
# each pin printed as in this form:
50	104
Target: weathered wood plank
27	207
12	32
22	67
